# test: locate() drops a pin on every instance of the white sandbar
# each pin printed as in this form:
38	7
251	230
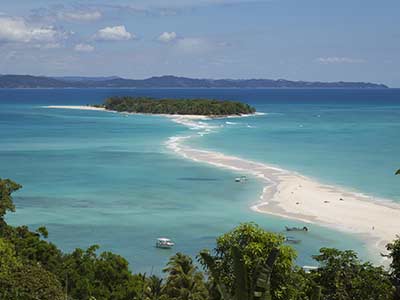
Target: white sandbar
294	196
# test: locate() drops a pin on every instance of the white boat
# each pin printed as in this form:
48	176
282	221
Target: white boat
164	243
241	179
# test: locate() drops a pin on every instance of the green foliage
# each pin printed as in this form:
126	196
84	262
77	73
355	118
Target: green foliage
177	106
397	172
256	288
104	276
260	287
20	280
184	281
8	259
43	232
7	187
240	285
343	276
394	255
256	245
316	293
31	282
153	288
29	247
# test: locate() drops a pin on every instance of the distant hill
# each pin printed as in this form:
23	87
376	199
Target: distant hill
81	78
28	81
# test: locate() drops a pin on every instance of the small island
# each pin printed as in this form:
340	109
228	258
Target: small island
203	107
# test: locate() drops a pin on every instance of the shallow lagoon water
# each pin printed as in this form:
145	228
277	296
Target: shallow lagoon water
103	178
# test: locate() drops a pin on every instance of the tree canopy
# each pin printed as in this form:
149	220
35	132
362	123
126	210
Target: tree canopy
22	279
7	187
184	281
343	276
177	106
255	246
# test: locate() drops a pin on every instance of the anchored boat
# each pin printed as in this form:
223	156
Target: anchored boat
241	179
164	243
292	240
296	228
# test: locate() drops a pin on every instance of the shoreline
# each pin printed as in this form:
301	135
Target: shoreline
174	116
76	107
290	195
293	196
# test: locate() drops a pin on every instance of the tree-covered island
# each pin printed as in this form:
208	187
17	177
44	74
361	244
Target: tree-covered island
206	107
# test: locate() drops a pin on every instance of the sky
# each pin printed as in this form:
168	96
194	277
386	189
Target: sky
313	40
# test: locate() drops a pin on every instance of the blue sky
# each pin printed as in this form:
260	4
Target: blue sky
353	40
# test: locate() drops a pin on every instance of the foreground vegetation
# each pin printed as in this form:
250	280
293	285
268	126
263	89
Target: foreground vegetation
177	106
247	263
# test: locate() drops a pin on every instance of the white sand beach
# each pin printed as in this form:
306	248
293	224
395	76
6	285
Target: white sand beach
177	118
290	195
80	107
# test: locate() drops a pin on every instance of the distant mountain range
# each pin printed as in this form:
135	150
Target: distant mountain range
28	81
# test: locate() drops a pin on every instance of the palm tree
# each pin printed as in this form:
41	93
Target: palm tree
245	288
184	281
316	293
153	288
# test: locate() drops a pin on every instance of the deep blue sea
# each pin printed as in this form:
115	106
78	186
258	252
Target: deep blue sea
102	178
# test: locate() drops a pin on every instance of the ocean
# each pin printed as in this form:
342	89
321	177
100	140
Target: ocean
102	178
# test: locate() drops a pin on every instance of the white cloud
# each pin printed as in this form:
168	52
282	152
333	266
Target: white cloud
84	48
116	33
49	46
339	60
85	16
17	30
193	45
167	37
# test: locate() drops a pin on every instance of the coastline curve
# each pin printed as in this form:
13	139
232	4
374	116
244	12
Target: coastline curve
291	195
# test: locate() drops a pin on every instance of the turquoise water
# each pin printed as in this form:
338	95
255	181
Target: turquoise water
95	177
343	137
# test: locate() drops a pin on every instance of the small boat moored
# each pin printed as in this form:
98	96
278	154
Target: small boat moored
296	228
241	179
292	240
164	243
